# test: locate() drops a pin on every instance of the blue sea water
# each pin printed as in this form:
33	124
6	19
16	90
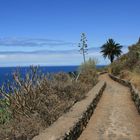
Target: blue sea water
7	72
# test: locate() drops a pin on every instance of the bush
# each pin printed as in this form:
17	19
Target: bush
34	102
133	56
129	61
88	65
116	68
88	73
4	111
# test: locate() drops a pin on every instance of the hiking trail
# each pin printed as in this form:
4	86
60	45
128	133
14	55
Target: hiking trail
116	117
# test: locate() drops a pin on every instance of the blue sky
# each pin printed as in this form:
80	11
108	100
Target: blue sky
47	32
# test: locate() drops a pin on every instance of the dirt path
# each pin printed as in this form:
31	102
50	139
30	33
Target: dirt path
115	117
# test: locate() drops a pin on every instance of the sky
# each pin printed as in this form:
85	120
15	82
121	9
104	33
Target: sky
47	32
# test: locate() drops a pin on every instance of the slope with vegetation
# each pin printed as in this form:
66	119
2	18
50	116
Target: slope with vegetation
128	65
34	102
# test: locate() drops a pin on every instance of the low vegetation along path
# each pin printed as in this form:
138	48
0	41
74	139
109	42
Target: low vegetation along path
116	117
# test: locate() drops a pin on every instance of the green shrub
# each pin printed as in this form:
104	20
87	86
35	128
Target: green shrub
5	115
116	68
88	65
88	73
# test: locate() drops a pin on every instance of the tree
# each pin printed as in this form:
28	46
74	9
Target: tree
138	41
111	49
83	46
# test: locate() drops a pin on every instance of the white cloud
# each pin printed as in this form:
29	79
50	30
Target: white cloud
2	56
36	43
46	59
51	55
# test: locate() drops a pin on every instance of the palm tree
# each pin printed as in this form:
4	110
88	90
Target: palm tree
111	50
138	41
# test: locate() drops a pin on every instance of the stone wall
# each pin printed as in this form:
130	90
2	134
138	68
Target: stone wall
135	94
70	125
101	73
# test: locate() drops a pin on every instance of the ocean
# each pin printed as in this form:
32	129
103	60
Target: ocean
6	72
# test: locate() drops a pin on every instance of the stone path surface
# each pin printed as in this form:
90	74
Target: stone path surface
116	117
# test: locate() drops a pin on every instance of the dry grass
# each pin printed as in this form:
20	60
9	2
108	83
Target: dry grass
128	65
33	103
129	61
133	77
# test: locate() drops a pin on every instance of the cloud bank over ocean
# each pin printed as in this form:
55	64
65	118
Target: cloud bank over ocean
37	51
35	43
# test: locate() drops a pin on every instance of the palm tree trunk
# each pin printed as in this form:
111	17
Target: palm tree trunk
112	59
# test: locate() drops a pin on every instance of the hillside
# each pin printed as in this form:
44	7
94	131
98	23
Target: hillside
128	65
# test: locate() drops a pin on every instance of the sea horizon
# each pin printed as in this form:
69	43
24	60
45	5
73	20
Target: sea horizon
6	73
45	66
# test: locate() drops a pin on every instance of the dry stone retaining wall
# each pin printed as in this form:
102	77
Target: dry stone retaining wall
70	125
134	92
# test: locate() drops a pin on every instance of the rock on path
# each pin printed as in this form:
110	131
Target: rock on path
116	117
